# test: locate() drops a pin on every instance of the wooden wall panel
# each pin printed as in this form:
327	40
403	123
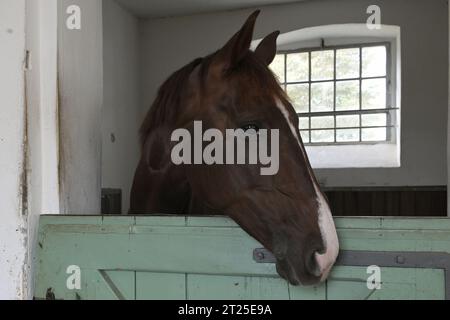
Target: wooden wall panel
392	201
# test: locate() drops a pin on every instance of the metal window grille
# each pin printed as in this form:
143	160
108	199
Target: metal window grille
335	131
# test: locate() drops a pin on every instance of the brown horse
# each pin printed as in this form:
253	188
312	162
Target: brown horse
234	88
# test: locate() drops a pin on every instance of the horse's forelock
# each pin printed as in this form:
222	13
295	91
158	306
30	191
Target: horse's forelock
260	73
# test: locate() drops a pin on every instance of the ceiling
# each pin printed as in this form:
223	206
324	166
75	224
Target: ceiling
169	8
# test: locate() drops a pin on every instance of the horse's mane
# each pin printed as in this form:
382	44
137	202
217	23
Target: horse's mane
168	100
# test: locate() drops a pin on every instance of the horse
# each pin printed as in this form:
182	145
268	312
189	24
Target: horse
235	88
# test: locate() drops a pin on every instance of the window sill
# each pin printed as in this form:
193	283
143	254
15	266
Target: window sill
381	155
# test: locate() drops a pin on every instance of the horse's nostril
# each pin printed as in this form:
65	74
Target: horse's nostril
312	265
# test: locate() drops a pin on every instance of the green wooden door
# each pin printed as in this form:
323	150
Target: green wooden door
212	258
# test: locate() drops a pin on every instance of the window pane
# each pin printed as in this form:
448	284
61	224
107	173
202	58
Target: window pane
322	122
347	63
277	67
374	120
347	121
297	67
322	136
374	134
374	94
299	94
322	96
303	123
374	61
347	95
305	136
322	65
347	135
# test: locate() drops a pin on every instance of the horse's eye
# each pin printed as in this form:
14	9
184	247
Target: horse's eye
250	126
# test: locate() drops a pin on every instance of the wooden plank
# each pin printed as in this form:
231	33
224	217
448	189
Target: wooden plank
111	285
217	221
118	220
364	201
392	204
440	204
378	205
392	240
392	223
407	204
73	219
307	293
396	284
388	201
177	250
341	222
338	205
217	287
350	203
160	286
160	220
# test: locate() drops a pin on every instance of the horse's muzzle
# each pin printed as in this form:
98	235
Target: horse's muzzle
305	271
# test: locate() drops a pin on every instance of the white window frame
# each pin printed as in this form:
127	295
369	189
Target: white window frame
388	110
360	155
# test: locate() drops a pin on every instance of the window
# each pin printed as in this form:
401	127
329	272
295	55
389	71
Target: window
341	94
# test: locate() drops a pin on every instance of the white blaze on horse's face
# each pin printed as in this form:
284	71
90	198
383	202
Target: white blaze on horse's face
329	236
326	260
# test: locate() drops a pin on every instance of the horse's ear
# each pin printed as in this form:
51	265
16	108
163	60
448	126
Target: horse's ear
236	48
267	48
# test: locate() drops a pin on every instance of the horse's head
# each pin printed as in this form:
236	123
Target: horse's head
234	88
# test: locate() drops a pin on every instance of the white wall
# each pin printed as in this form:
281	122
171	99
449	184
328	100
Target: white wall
121	113
42	121
80	68
170	43
13	227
